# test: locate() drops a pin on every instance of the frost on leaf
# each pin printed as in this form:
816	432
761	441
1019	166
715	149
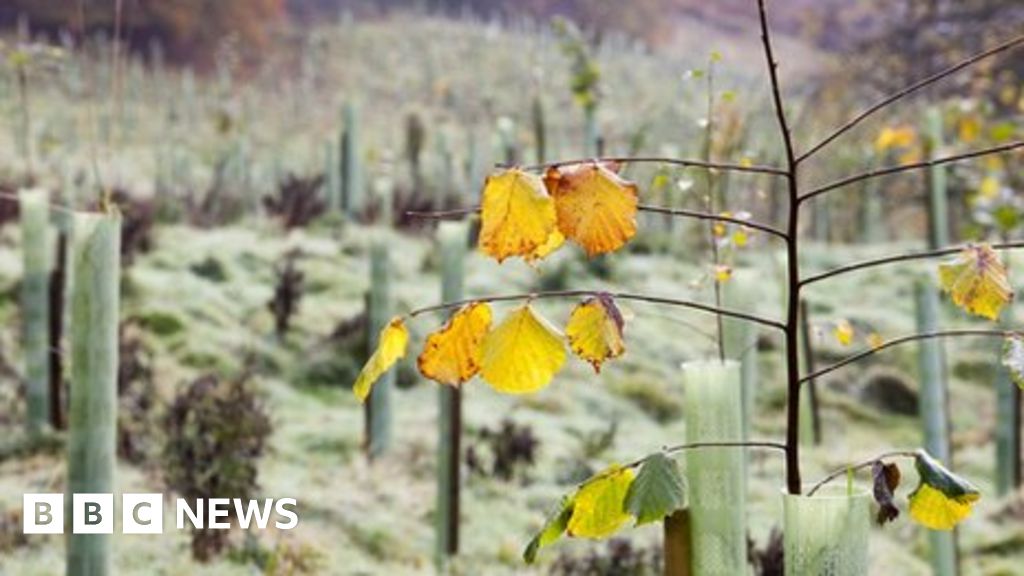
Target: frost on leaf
595	207
942	499
1013	358
452	354
391	346
977	282
886	479
600	504
595	330
657	491
517	215
522	354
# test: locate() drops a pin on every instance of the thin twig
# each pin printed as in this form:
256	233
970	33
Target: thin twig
904	258
904	340
859	466
912	166
618	295
753	168
724	444
456	213
908	91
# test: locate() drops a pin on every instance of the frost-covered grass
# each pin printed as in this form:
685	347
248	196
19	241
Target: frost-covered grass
362	519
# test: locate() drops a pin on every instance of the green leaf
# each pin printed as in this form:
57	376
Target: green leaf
657	491
552	529
1013	358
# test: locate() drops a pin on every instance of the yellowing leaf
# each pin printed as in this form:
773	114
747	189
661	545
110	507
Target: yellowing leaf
899	137
934	510
989	188
844	332
554	242
740	237
970	128
451	355
595	207
391	346
599	508
875	340
552	530
942	499
976	280
517	214
595	330
522	354
723	273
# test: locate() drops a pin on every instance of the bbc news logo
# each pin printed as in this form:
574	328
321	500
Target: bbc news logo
144	513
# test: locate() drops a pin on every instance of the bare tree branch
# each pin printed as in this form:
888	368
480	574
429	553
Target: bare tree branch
860	466
904	340
908	91
680	212
659	160
939	253
912	166
617	295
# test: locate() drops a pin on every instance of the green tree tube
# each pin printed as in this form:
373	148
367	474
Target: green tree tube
827	534
332	177
452	237
716	486
740	339
35	305
380	311
938	204
1008	420
352	193
540	130
94	364
934	409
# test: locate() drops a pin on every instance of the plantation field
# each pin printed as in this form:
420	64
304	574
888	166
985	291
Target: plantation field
197	156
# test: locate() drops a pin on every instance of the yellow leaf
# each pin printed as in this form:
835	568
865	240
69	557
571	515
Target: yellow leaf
723	273
976	280
875	340
740	237
595	207
599	508
899	137
451	355
517	214
391	345
522	354
844	332
936	511
554	242
989	188
942	499
970	128
595	331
